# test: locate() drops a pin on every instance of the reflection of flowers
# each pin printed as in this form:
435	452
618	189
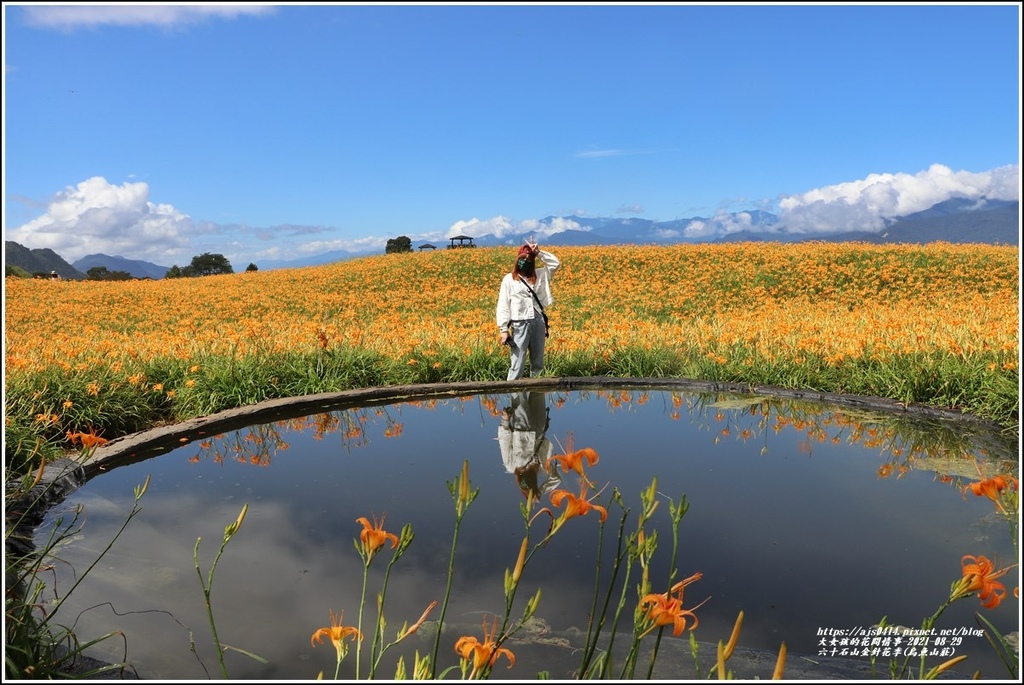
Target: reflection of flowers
259	444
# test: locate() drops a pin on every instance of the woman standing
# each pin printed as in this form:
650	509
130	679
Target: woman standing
523	295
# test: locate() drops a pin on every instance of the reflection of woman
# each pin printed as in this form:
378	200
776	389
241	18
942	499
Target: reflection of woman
525	448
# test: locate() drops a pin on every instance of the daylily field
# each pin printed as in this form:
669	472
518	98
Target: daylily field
936	324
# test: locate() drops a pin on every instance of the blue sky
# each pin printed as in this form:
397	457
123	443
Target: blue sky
274	132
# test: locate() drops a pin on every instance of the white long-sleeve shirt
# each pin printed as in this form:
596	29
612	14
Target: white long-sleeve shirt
515	303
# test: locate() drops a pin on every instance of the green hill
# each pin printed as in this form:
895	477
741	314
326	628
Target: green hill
38	261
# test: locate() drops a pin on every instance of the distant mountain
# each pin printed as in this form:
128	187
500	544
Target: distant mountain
136	267
953	221
38	261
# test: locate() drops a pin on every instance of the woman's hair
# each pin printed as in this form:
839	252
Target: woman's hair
524	251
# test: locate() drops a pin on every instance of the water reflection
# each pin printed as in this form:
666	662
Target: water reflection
525	449
802	515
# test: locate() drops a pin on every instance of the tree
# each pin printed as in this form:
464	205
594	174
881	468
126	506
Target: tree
208	264
101	273
174	272
399	244
252	267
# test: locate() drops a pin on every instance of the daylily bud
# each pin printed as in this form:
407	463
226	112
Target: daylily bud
531	606
734	638
944	666
464	491
232	528
520	562
780	664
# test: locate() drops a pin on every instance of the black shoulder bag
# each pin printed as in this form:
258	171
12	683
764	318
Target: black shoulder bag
547	328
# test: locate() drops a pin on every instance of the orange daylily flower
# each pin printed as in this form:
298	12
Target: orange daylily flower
86	440
573	460
991	487
576	506
373	536
337	634
980	576
667	608
484	654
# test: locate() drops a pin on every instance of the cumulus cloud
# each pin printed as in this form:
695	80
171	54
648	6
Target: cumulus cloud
870	204
503	228
721	224
96	216
498	226
69	17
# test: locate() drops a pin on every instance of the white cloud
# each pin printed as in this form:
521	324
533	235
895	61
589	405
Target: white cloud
69	17
98	217
697	230
498	226
503	228
869	204
555	225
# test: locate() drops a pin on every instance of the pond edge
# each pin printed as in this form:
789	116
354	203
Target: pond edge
157	440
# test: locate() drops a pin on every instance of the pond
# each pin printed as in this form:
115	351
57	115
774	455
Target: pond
809	518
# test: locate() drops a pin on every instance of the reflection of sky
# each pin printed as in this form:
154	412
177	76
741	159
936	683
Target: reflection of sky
797	540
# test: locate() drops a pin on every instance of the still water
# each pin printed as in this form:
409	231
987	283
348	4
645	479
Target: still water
806	517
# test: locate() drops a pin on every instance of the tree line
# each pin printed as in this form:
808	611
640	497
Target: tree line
206	264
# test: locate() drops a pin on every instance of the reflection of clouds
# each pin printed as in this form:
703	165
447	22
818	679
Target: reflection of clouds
272	588
270	581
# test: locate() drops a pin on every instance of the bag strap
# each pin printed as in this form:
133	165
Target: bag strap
535	298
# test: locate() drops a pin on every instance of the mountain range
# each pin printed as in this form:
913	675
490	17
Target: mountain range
952	221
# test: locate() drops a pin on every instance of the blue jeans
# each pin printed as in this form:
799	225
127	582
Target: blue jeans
527	339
